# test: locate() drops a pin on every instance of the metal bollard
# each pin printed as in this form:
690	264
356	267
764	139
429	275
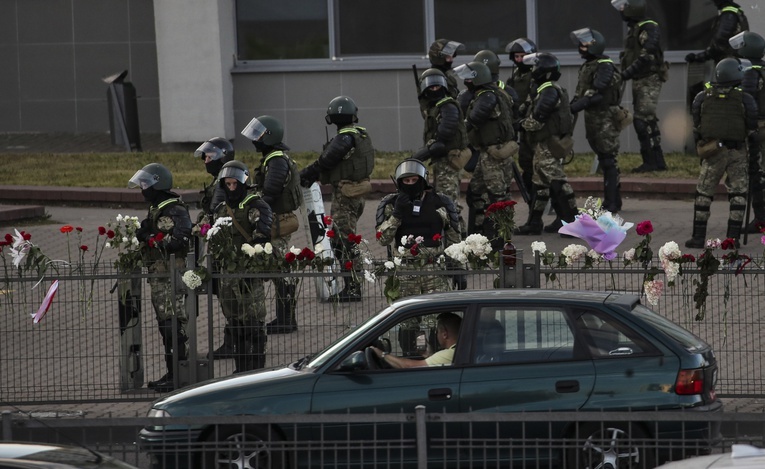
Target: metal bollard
422	437
8	425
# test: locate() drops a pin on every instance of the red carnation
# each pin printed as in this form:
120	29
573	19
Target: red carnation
327	220
159	236
688	258
66	229
355	238
101	230
8	238
79	229
110	234
437	237
415	249
290	257
26	236
644	228
348	265
330	233
307	254
378	235
728	243
83	248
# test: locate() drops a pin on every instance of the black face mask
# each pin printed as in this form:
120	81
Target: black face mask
214	167
431	95
235	196
260	146
414	191
151	195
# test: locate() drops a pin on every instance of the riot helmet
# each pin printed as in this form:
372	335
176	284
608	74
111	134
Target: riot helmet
265	131
433	77
748	44
589	41
545	67
443	51
408	168
218	150
341	111
522	45
238	171
630	9
475	72
154	176
490	59
729	70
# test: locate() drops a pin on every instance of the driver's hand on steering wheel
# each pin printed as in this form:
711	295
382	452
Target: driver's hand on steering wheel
378	352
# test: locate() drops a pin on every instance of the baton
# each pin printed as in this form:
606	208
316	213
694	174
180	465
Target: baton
518	180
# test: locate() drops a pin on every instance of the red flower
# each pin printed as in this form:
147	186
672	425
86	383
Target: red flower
644	228
728	243
110	234
437	237
4	243
378	235
290	257
159	236
688	258
26	236
415	249
79	229
152	242
8	238
330	233
66	229
307	254
348	265
354	238
327	220
101	230
83	248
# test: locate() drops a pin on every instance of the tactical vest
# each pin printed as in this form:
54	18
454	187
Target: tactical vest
632	49
560	123
432	118
206	196
155	212
725	49
426	224
241	215
611	95
760	92
722	114
358	163
292	196
521	83
499	127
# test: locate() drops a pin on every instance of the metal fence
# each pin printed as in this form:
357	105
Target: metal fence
409	439
74	354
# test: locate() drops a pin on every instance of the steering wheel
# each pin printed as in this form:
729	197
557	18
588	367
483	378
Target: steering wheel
373	361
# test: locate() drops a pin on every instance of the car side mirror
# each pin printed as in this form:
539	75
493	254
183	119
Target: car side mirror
355	361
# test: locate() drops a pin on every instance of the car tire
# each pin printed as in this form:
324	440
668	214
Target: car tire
243	446
611	445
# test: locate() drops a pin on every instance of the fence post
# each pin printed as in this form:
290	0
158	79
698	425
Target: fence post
191	326
511	272
7	425
422	437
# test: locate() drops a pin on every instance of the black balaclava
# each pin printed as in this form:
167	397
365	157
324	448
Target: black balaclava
153	196
436	95
235	196
414	191
214	167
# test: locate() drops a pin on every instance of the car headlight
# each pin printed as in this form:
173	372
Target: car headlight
158	413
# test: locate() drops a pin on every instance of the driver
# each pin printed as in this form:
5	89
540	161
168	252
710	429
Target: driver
447	330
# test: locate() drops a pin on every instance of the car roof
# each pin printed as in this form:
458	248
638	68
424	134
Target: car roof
531	294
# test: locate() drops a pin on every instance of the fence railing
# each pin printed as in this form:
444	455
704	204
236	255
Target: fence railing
408	439
78	353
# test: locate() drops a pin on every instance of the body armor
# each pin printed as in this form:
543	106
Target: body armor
722	114
291	197
358	163
174	209
499	127
611	93
634	46
560	122
432	118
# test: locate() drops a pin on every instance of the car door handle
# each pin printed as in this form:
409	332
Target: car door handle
439	394
571	385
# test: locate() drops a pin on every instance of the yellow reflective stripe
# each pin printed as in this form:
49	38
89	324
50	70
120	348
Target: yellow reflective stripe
246	199
354	130
544	85
272	155
166	202
444	100
732	10
648	22
605	61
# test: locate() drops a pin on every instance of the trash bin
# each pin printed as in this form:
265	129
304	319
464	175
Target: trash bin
123	112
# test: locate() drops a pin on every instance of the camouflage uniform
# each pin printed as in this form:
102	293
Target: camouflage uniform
520	81
725	114
599	90
730	21
243	300
642	61
171	218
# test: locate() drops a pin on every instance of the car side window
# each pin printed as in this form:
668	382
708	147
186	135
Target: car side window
608	338
415	337
524	334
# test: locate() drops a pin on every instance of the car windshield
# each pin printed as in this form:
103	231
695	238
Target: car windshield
353	332
672	330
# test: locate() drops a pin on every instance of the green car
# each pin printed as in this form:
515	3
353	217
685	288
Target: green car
516	351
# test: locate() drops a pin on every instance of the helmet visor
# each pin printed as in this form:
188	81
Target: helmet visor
619	4
410	168
531	59
254	130
451	48
582	36
432	80
234	172
737	41
522	43
464	72
746	64
207	149
143	179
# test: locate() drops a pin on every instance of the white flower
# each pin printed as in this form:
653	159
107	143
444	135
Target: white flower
368	261
713	243
134	241
653	291
389	265
318	248
401	250
456	252
538	246
107	244
671	270
629	255
125	240
119	217
397	260
252	250
670	251
574	252
369	276
268	248
419	240
404	240
295	250
192	280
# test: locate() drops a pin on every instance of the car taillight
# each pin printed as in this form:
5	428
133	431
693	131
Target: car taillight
690	382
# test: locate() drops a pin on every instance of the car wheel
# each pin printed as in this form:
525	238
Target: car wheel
242	447
611	446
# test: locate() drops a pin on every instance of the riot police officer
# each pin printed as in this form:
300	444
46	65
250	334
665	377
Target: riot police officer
730	21
548	130
243	300
278	181
598	93
520	81
724	118
642	61
441	54
346	162
166	231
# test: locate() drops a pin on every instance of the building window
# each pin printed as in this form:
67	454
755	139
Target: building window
372	27
488	24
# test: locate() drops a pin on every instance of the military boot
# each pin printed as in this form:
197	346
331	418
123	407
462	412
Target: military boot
649	160
734	232
285	321
699	236
227	349
533	226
